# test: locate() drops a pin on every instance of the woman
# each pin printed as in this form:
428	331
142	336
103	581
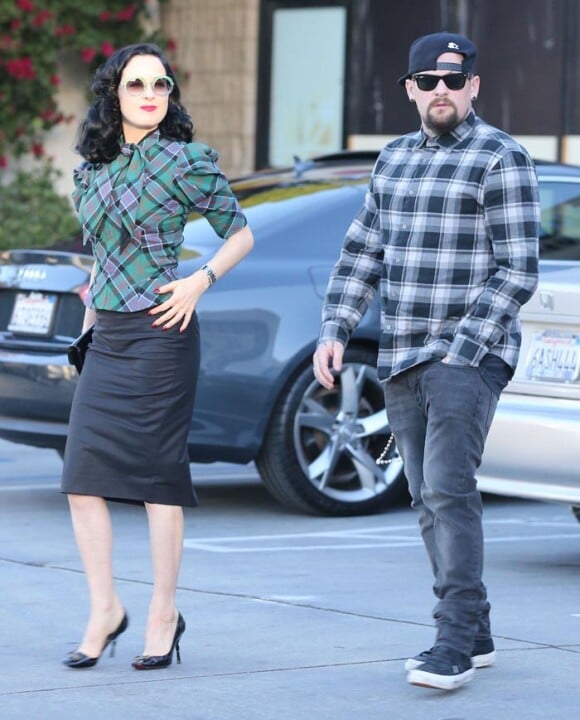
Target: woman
131	413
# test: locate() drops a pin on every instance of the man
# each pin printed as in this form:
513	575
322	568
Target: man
448	231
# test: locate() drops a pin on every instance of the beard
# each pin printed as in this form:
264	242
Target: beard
441	125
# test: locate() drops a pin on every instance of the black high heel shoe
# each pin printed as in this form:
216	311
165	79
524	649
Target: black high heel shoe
79	660
154	662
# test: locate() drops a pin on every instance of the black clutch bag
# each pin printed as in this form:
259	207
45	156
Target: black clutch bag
78	349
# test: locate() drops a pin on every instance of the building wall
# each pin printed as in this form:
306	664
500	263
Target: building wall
72	101
529	83
217	46
528	59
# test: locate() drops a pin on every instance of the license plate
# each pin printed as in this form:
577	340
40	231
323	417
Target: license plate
554	356
32	314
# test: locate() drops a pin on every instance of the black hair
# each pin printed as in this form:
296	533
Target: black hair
100	133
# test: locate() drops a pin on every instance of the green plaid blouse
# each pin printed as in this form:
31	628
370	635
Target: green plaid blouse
133	211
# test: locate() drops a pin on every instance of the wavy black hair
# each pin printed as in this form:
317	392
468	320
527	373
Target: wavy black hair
100	133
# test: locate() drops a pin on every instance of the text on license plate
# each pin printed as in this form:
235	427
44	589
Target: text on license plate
554	356
32	314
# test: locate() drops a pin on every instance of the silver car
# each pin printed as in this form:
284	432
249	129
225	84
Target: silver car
533	450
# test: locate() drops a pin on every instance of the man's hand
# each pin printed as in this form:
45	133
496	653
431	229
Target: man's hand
325	353
454	362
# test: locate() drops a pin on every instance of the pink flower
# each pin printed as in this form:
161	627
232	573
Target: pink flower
15	24
51	118
55	80
41	18
88	54
64	30
25	5
126	14
37	149
3	161
105	15
22	68
107	49
171	45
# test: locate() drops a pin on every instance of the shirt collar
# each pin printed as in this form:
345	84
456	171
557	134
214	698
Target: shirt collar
144	144
455	136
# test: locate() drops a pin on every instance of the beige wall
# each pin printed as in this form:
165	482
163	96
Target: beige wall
72	102
217	45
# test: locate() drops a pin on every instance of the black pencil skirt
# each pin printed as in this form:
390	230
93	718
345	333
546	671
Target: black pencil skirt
131	412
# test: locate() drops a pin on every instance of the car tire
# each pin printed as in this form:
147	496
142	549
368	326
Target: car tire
319	454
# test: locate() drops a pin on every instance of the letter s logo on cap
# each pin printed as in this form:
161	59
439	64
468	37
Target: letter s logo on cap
453	46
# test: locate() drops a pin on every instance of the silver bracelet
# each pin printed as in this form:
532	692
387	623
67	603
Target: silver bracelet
210	274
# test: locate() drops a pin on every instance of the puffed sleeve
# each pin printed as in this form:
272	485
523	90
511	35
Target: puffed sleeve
201	186
81	176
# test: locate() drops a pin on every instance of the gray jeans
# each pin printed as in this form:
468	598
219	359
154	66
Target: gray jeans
440	415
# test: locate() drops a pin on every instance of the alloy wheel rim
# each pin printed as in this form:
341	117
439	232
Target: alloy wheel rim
339	434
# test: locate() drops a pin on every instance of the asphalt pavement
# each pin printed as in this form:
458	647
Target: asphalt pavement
289	617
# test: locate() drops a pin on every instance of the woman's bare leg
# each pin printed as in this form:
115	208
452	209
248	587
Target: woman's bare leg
94	536
166	537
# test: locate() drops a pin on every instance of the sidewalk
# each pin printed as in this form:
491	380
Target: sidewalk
289	617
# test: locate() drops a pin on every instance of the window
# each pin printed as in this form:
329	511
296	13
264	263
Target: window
560	220
306	64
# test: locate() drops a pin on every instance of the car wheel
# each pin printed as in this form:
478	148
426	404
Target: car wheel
320	451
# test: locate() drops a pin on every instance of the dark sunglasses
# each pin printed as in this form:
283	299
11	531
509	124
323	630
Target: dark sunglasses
455	81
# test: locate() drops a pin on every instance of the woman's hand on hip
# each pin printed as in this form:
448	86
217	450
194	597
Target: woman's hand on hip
179	308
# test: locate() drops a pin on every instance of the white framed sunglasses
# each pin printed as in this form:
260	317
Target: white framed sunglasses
161	86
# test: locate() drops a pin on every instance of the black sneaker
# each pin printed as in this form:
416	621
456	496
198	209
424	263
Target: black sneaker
483	655
445	669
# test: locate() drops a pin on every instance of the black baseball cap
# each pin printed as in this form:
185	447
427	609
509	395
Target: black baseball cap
424	52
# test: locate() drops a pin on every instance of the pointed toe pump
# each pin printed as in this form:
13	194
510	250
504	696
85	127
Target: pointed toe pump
155	662
79	660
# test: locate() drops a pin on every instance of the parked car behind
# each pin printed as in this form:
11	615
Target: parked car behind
257	399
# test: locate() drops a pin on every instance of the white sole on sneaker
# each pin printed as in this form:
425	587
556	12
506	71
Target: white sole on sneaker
413	664
483	661
440	682
478	661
